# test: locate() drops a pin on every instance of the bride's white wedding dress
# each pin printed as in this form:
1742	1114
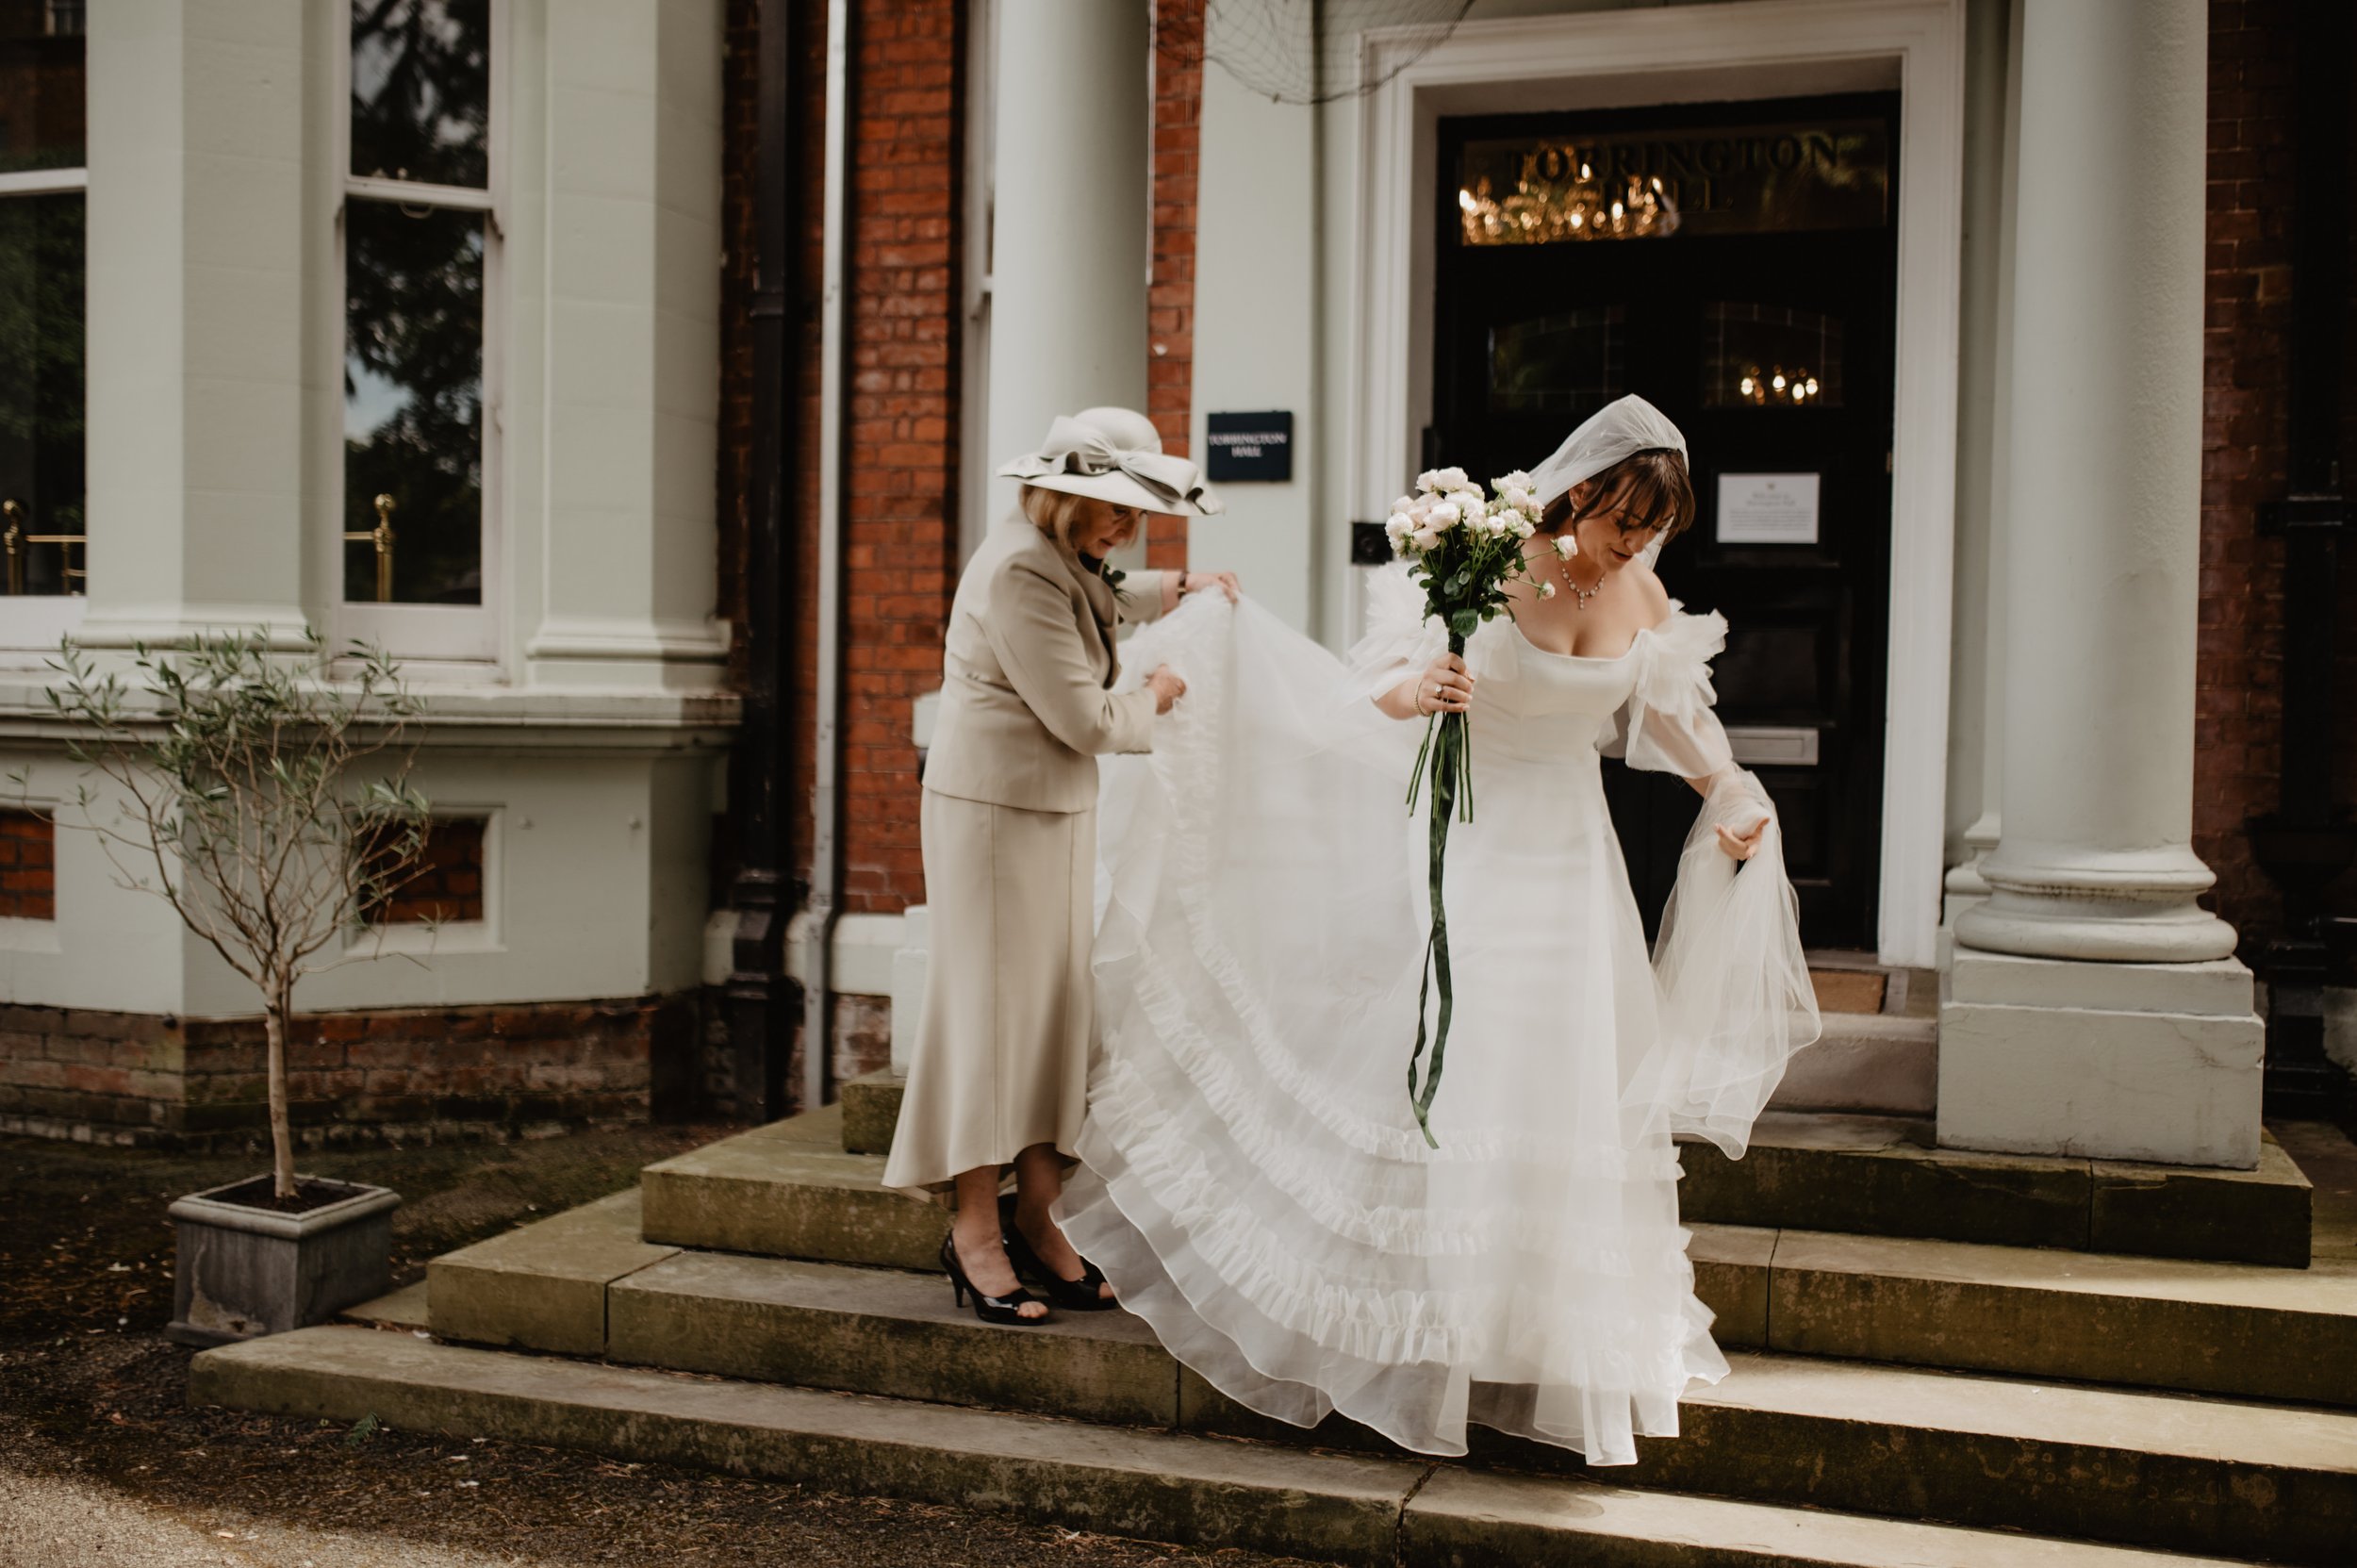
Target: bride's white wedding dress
1253	1180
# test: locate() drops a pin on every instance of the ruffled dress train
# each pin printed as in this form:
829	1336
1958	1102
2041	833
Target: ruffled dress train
1253	1180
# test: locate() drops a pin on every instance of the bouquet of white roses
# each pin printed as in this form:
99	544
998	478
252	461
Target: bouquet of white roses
1462	548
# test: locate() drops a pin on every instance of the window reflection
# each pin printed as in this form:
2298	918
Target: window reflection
41	110
1565	363
1769	356
420	90
40	86
413	400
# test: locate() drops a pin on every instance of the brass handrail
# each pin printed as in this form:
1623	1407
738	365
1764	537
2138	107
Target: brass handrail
16	543
382	536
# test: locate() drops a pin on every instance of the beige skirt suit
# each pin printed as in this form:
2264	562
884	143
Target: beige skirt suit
1008	819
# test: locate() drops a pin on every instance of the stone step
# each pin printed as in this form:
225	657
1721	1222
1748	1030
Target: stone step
2232	1328
1886	1176
1176	1487
1883	1176
2131	1467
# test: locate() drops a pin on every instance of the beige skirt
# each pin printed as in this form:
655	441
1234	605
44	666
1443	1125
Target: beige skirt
1002	1044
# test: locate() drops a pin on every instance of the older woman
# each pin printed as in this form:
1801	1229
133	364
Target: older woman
999	1075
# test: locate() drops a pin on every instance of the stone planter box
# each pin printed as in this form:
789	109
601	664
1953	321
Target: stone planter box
243	1272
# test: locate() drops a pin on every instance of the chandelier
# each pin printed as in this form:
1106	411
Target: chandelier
1773	385
1540	212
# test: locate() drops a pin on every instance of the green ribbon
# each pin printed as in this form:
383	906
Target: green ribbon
1447	754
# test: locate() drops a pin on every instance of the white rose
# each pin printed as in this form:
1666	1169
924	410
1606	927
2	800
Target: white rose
1546	590
1405	504
1517	480
1429	480
1565	547
1449	479
1524	527
1442	516
1425	538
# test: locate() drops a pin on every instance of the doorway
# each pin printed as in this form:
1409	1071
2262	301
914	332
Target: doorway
1736	265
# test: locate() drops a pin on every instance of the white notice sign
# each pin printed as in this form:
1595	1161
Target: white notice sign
1768	509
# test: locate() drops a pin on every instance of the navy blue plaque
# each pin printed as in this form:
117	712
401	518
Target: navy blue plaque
1248	447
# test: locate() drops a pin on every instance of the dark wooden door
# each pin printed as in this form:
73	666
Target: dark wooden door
1763	325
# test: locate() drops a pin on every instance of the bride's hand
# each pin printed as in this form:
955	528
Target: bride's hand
1742	846
1195	582
1445	686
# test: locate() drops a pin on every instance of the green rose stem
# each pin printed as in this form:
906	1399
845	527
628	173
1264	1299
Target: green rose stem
1447	747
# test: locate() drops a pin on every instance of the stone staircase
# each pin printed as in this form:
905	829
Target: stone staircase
1941	1359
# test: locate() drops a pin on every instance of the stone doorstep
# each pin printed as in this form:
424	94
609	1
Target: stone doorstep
1157	1485
2207	1328
2132	1467
1885	1175
542	1285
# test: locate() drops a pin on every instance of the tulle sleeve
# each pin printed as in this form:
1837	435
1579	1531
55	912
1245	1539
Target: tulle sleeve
1400	636
1667	726
1735	993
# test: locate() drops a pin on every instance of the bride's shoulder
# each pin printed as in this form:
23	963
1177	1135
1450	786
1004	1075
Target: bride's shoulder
1659	605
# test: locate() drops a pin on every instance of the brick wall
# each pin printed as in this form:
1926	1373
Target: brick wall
28	865
352	1077
1170	299
900	554
2240	675
446	882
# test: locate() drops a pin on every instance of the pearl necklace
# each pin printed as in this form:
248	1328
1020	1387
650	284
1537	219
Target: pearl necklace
1579	596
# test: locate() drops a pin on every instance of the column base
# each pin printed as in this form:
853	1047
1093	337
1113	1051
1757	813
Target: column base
2158	1063
2123	931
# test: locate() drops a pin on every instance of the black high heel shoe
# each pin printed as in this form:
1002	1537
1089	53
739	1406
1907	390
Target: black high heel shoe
1084	1295
990	1308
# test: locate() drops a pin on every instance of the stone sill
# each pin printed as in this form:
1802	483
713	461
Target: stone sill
505	718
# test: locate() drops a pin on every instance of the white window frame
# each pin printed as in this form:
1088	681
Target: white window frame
37	620
460	634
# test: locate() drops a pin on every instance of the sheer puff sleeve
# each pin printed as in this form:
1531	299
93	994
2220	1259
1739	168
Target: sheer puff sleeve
1400	639
1667	726
1736	1001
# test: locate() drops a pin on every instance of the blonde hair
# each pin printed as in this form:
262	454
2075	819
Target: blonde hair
1053	512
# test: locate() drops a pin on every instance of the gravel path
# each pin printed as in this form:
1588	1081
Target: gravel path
104	1462
62	1522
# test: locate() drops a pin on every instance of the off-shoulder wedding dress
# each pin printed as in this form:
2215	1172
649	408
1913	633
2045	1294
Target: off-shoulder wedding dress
1253	1182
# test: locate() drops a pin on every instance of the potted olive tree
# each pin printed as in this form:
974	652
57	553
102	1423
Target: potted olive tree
265	798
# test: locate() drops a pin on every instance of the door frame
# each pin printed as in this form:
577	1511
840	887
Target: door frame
1695	54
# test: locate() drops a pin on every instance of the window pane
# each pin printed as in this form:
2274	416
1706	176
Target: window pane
41	393
40	86
1568	363
413	401
421	89
1769	356
1651	184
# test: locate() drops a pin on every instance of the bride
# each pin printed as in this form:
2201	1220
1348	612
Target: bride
1254	1183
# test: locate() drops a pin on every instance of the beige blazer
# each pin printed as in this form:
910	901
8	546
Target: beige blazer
1030	653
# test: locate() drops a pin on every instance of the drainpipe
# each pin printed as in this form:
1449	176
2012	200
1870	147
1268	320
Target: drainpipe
826	860
760	998
2309	840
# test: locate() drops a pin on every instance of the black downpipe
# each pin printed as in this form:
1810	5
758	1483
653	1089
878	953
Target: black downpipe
763	1003
2309	840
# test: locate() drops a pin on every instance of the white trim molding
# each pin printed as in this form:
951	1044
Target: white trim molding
1687	54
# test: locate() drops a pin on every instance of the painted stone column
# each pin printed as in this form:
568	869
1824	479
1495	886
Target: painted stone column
1068	247
196	355
2094	1007
628	322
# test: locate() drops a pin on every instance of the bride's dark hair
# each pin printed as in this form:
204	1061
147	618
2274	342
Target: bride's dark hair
1649	488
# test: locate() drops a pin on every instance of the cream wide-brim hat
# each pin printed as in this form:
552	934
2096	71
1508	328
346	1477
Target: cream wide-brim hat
1115	454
